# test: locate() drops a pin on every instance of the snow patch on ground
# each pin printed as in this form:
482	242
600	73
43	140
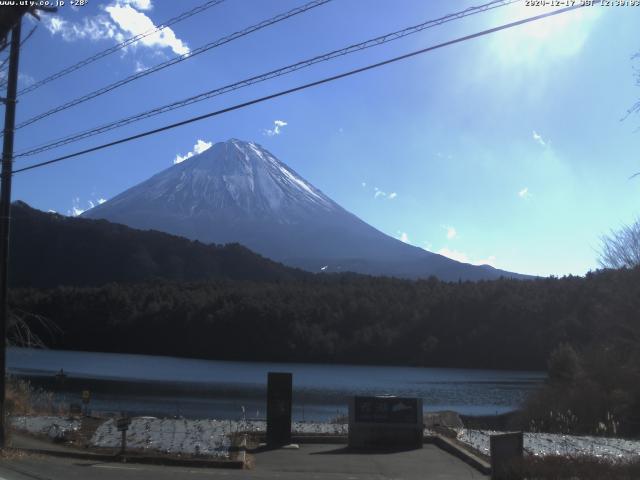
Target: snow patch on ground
195	437
320	428
174	436
541	444
212	437
45	425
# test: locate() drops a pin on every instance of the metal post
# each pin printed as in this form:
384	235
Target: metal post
122	425
5	211
124	442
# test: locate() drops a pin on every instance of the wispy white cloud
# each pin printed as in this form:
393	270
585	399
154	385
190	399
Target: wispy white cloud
180	158
490	260
403	237
135	22
141	4
24	79
538	138
201	146
140	67
454	254
364	184
120	19
77	209
451	231
90	28
377	193
198	148
53	24
524	193
278	125
464	258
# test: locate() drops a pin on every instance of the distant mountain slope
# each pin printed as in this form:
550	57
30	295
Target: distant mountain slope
239	192
49	249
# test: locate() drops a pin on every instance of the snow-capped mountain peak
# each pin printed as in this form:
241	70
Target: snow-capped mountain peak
237	191
247	176
233	178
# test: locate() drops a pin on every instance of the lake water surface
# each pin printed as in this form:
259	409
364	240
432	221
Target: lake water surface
168	386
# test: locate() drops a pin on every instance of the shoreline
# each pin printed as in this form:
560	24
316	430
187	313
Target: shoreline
279	363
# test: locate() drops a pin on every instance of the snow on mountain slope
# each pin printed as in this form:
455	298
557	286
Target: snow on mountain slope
237	191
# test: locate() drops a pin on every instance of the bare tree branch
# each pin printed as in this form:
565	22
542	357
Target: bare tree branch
20	329
621	248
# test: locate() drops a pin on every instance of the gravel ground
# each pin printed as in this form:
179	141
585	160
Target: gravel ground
175	436
541	444
194	437
212	437
54	427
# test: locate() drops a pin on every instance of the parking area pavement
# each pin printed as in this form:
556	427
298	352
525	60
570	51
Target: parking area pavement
309	462
313	461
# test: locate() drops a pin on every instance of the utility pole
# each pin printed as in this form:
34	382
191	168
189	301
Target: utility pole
5	213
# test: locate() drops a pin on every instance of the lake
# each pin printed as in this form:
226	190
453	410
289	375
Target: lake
168	386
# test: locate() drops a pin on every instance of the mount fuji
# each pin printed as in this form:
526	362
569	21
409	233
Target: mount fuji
237	191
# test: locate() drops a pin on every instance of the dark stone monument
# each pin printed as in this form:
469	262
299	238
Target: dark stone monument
385	422
279	397
506	455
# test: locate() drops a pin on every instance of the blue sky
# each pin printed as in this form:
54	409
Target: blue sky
508	149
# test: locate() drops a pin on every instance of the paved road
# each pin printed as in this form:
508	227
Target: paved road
310	462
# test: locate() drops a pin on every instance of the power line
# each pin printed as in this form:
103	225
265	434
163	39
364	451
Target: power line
120	46
302	87
4	68
24	40
28	36
265	76
177	59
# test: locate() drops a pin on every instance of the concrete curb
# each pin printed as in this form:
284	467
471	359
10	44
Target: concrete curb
148	460
450	446
318	439
313	438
